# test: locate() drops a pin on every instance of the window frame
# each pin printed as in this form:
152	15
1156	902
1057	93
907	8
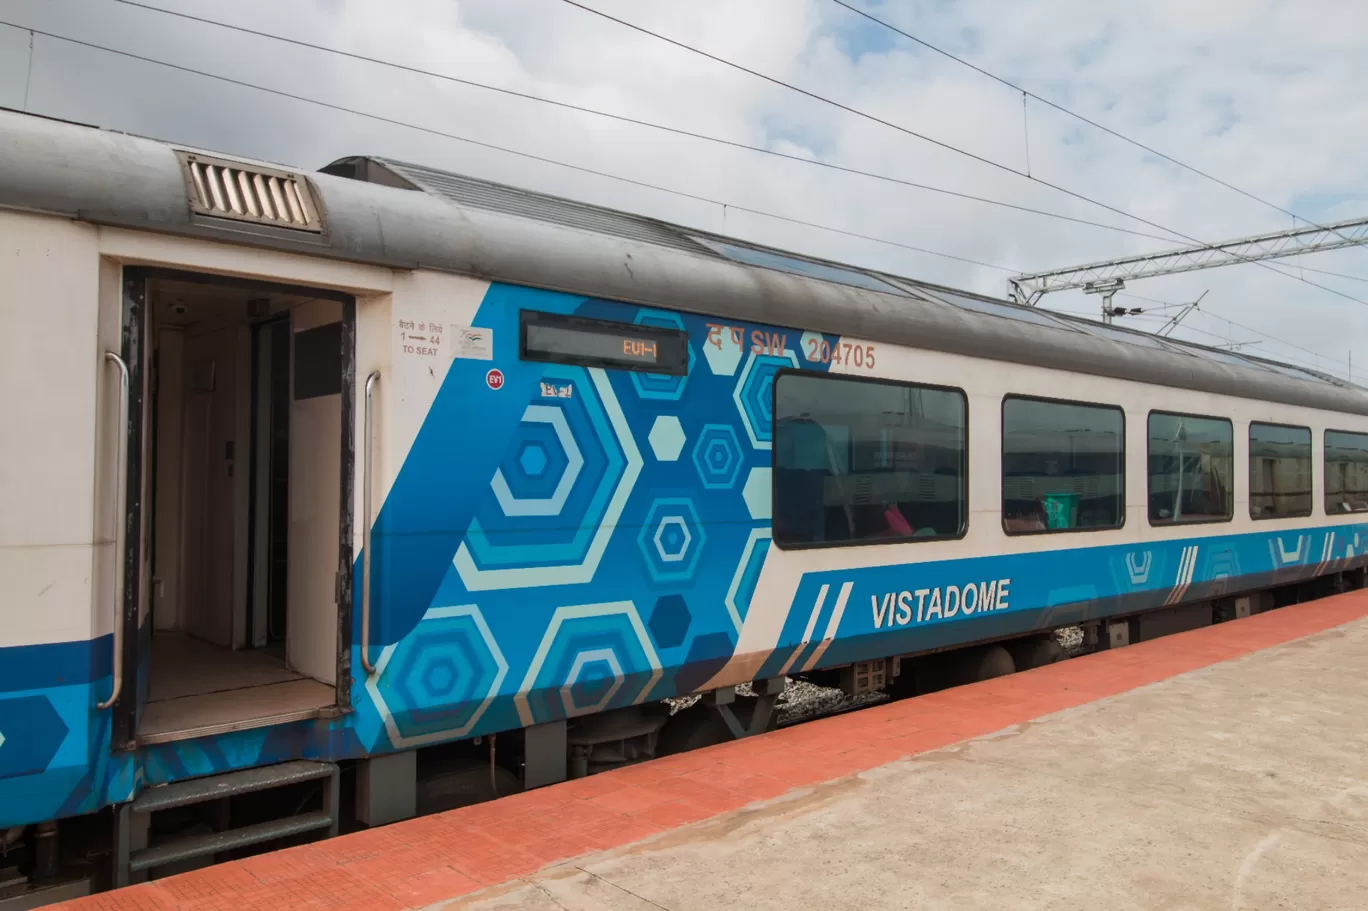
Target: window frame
965	487
1149	476
1325	471
1311	459
574	321
1002	443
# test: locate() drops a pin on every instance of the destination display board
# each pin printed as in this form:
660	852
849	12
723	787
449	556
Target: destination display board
603	343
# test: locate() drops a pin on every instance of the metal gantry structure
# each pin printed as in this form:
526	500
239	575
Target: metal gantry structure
1108	277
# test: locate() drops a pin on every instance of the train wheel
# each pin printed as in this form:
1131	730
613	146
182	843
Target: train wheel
994	661
1035	652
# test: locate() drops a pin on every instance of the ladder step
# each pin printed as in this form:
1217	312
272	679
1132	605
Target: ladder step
202	845
230	784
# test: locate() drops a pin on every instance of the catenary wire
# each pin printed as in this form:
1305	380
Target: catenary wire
543	159
944	145
682	132
636	121
1217	316
1077	116
518	152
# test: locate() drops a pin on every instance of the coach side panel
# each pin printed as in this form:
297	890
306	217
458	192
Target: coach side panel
55	531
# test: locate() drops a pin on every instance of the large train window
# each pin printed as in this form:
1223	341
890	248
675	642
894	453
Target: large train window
1346	472
1191	463
1279	471
862	461
1063	466
604	343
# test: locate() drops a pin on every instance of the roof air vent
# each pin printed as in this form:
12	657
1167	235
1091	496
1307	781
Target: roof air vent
230	189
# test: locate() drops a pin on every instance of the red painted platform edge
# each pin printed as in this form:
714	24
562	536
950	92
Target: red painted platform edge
419	862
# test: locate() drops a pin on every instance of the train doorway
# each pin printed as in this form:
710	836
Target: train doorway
240	459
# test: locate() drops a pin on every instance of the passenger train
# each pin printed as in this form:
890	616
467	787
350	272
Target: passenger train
308	475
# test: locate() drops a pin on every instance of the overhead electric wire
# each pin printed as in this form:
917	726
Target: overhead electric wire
578	168
636	121
1217	316
518	152
808	93
1027	93
1074	114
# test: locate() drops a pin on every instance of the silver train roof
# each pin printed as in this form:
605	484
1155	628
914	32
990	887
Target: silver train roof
389	213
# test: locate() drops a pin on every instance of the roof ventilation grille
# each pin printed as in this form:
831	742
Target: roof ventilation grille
228	189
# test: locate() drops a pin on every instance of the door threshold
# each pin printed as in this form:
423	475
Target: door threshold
228	727
224	712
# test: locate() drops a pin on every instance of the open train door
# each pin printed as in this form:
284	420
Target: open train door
234	504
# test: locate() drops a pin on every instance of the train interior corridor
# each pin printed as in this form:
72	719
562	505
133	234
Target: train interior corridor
241	525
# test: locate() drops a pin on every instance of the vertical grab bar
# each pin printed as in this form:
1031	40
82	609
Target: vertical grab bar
121	495
366	530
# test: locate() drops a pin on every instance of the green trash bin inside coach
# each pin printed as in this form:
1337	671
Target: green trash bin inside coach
1061	509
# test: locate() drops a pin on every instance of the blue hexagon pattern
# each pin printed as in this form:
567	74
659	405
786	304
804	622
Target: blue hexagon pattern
593	657
666	438
533	460
519	535
670	619
438	680
671	539
757	493
754	394
661	386
717	456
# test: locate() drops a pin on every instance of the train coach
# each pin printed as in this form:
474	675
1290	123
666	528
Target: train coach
310	476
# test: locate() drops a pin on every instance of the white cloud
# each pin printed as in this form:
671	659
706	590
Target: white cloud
1265	95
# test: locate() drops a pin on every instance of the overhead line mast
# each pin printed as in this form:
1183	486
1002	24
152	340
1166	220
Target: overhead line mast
1112	275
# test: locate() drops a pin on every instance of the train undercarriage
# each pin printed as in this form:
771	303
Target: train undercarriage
198	822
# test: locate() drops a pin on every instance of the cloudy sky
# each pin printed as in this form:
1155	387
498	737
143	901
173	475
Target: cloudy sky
1266	95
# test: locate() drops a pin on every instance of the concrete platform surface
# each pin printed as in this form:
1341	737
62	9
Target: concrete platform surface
1221	768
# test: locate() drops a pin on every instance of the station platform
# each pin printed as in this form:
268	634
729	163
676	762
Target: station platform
1225	767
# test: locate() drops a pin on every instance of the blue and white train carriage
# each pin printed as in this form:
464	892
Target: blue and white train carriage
309	469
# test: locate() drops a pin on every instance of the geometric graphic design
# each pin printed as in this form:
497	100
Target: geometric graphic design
1138	567
717	456
708	654
757	493
597	655
671	539
594	680
754	395
31	732
833	624
604	494
546	456
722	351
437	681
661	386
1222	565
552	528
747	574
1187	563
666	438
670	619
1283	555
1327	551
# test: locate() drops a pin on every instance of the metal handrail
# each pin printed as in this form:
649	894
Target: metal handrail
366	530
121	474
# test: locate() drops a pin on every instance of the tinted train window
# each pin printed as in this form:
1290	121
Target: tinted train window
866	462
1346	472
1279	471
1063	466
1190	468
